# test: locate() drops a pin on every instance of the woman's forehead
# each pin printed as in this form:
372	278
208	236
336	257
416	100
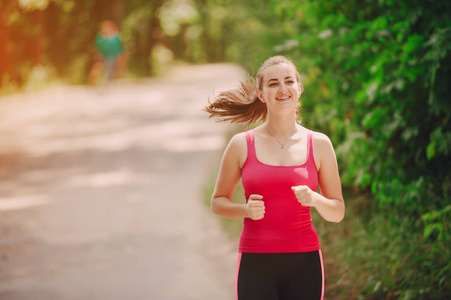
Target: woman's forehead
278	71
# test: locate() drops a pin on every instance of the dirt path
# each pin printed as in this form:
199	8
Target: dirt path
101	191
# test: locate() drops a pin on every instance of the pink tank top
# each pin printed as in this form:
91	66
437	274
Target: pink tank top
287	225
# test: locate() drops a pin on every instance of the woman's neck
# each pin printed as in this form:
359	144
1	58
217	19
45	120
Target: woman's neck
108	35
281	126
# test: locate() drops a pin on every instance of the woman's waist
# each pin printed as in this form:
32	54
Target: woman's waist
255	240
284	215
256	229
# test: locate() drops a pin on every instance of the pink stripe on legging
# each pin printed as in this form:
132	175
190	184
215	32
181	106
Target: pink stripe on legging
237	273
322	272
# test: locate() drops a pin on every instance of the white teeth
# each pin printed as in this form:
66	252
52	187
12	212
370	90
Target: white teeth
284	98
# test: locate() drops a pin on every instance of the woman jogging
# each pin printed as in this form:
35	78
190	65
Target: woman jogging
281	164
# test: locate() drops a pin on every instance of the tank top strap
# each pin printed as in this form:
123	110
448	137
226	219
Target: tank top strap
250	144
310	145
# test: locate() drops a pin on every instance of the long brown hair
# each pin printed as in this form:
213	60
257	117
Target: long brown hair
242	105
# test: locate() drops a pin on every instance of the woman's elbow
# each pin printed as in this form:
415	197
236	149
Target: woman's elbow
336	216
339	217
214	206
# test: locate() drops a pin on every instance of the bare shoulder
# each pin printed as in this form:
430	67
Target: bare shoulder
321	140
237	148
238	140
323	150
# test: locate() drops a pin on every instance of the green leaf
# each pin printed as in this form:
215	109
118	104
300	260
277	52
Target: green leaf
430	151
428	230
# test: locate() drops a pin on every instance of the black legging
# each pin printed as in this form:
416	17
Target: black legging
280	276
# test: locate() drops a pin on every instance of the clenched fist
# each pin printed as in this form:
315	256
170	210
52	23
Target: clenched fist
304	195
255	208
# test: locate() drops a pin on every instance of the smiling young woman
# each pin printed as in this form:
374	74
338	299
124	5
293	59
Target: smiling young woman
281	164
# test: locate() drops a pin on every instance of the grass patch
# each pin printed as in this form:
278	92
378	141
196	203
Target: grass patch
371	256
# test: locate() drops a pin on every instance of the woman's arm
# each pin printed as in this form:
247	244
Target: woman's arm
329	204
228	178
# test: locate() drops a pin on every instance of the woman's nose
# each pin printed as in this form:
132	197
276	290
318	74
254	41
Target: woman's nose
282	88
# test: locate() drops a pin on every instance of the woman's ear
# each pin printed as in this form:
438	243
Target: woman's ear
300	87
260	96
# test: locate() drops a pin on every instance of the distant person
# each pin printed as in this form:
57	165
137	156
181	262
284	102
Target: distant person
281	164
109	45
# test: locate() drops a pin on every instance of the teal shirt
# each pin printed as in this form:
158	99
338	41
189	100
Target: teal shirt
109	47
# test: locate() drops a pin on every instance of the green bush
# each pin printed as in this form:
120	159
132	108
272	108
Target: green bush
376	77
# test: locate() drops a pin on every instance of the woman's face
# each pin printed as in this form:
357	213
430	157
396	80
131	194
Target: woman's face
280	89
108	29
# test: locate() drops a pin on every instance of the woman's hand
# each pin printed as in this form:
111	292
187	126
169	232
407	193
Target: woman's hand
255	208
304	195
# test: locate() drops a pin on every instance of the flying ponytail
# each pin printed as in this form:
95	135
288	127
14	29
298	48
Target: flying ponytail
240	105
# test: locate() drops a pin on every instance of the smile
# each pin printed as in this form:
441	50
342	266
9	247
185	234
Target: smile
283	98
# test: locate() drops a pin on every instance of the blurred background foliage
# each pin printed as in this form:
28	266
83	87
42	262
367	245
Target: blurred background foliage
44	39
377	79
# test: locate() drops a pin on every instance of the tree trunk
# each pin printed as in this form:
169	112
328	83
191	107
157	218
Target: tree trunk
35	50
4	40
117	12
